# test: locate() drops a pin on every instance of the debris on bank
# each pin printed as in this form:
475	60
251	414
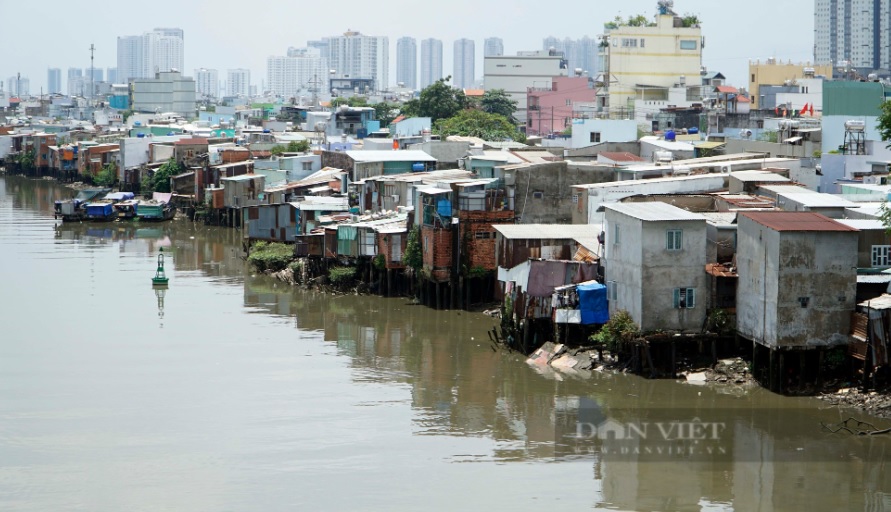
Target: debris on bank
557	357
873	402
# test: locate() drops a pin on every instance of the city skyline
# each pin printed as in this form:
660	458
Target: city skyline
213	45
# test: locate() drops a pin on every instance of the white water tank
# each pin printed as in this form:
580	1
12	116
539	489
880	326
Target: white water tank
855	125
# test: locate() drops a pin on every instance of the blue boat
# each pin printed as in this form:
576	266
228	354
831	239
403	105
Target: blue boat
100	211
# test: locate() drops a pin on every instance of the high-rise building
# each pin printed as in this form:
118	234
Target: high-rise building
238	82
407	62
579	53
54	81
431	61
281	75
111	75
858	32
98	74
354	55
464	63
130	58
303	69
321	45
493	47
77	84
143	56
207	83
18	86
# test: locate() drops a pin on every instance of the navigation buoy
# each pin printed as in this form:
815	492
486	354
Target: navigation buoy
160	278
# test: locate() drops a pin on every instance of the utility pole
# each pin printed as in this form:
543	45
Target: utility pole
92	74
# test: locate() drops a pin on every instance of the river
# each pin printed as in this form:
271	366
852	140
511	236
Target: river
230	391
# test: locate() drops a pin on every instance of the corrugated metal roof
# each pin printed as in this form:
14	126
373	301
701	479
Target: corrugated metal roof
883	301
621	156
547	231
430	189
874	278
720	218
759	176
708	144
796	221
403	155
863	224
654	211
788	189
818	200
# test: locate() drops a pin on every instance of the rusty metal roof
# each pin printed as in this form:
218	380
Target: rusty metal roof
796	221
720	270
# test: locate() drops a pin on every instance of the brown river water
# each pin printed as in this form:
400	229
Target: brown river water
233	392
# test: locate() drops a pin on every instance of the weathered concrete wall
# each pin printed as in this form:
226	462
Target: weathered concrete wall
665	270
721	243
645	273
446	153
819	266
623	264
756	292
778	272
591	152
866	239
543	193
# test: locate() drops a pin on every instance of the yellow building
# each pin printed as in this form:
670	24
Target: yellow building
643	62
772	72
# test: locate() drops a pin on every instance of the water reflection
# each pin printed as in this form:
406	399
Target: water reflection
242	398
776	457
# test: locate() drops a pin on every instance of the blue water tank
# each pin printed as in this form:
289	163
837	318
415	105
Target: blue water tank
170	133
266	131
693	130
669	135
140	135
418	167
137	123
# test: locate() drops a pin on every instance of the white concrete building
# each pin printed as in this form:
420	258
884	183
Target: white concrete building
586	132
169	91
515	74
431	62
207	82
238	82
407	62
54	80
655	256
18	86
281	75
354	55
464	63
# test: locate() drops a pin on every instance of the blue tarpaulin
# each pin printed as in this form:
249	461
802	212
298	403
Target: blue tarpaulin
593	304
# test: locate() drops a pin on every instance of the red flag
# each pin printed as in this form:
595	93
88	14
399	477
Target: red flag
804	109
776	110
812	109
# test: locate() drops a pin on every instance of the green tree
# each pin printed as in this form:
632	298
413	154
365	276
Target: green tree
277	150
476	123
386	112
690	20
411	108
298	146
25	160
107	176
884	123
638	21
413	258
497	101
352	101
441	101
160	181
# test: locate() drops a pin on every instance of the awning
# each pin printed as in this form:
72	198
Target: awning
791	140
708	145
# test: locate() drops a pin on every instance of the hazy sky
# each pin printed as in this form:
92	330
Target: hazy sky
224	34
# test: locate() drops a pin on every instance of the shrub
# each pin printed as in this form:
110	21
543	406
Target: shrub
296	267
620	328
413	258
379	262
341	276
271	257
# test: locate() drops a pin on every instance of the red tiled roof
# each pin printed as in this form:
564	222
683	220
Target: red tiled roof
729	89
398	118
796	221
743	99
474	92
621	156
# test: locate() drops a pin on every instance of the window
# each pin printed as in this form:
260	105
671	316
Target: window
688	44
538	194
484	235
629	42
611	293
684	298
615	234
673	239
595	137
880	255
642	42
307	166
568	102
